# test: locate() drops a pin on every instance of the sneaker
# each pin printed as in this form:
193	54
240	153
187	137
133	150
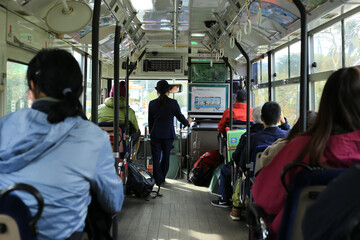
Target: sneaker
221	203
235	214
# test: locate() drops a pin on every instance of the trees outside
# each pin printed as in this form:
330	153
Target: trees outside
17	90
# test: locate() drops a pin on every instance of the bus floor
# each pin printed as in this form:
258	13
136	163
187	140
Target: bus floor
183	212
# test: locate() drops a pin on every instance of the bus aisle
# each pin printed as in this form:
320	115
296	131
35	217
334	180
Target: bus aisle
184	212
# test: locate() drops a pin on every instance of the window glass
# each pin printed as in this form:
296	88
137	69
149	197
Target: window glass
295	59
261	96
327	48
88	87
264	69
281	64
352	36
319	86
288	98
17	90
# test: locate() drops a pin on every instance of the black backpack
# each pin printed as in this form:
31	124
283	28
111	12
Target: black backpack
140	181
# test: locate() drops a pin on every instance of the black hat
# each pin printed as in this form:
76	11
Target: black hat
162	86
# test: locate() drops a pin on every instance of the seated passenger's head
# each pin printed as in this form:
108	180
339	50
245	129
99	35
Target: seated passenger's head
256	114
56	73
122	90
241	96
340	101
270	113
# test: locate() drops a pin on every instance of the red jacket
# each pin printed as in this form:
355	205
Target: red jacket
239	113
342	151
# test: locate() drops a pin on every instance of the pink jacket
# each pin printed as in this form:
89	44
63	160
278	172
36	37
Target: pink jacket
342	151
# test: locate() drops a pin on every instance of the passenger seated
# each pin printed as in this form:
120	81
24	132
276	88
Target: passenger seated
225	188
270	115
106	110
53	148
336	212
332	141
239	111
273	149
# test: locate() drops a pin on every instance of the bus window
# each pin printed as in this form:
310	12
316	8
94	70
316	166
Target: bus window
327	48
288	98
319	86
352	36
295	59
261	96
17	90
264	70
281	64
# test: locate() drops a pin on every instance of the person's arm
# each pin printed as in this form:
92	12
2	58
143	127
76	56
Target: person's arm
150	117
284	123
133	120
180	116
106	183
222	123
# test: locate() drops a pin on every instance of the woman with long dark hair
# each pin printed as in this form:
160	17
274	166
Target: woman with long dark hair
52	147
161	125
332	141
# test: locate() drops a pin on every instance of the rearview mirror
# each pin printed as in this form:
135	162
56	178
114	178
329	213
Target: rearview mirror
175	88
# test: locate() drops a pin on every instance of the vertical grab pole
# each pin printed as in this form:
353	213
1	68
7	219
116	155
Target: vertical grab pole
116	93
116	112
127	97
303	65
269	76
247	100
95	62
231	91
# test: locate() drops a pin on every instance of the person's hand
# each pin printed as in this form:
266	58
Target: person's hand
282	118
190	120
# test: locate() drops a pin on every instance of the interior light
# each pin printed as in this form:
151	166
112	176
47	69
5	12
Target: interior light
194	43
142	4
198	34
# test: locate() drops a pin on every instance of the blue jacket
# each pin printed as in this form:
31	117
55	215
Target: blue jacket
62	161
161	119
265	137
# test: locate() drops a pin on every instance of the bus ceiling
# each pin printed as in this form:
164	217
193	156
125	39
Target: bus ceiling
182	26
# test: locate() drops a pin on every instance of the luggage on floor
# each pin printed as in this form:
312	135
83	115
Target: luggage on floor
140	181
203	168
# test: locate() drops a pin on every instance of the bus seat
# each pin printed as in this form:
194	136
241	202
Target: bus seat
303	190
123	150
237	124
249	173
16	221
109	128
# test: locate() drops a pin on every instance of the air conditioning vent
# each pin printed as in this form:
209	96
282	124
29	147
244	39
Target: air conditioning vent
162	65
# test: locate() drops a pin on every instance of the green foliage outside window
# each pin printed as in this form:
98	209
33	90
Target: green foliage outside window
17	90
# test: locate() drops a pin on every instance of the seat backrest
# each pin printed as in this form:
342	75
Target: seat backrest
232	140
303	190
16	221
109	128
237	124
255	156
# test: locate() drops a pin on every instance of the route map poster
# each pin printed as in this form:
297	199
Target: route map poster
208	98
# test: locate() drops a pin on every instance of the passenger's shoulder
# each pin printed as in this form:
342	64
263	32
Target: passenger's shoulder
90	129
